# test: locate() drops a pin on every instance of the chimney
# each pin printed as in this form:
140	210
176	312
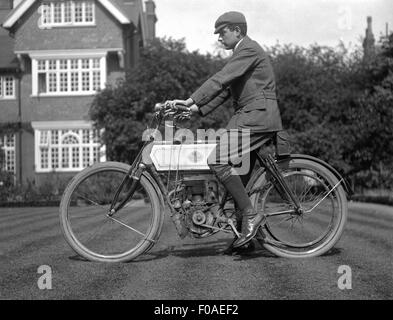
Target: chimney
151	19
369	41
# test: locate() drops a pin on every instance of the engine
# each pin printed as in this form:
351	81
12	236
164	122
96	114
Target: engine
196	203
195	197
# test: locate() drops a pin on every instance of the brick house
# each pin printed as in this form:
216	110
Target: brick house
54	56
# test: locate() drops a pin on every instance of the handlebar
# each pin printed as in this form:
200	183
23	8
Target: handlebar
183	108
160	106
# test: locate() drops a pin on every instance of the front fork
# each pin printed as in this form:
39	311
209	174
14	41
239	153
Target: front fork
132	180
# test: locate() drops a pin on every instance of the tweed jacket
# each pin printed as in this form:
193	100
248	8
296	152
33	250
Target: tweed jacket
249	79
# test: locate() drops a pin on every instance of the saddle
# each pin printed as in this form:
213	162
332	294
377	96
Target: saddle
282	144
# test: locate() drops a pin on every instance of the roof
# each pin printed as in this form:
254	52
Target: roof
133	10
125	11
130	8
8	60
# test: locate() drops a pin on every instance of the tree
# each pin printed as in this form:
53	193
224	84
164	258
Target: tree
316	93
373	130
336	106
166	71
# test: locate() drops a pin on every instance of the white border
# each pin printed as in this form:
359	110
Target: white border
113	9
20	10
63	54
61	125
15	16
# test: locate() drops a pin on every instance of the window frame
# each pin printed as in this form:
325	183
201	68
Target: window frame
48	146
9	147
3	87
41	77
49	13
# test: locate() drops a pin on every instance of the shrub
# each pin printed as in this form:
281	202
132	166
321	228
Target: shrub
47	193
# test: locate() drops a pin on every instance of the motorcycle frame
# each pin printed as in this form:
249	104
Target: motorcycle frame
268	163
138	168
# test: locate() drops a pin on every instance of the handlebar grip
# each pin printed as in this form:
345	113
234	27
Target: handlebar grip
182	108
160	106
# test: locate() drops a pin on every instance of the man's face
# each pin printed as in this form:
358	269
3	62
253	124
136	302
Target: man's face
229	38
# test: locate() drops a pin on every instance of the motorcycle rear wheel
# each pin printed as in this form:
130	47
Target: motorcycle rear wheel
319	228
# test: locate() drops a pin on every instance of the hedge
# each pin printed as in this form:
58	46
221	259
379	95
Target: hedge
373	199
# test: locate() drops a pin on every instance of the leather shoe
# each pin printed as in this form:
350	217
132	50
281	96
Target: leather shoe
231	250
250	224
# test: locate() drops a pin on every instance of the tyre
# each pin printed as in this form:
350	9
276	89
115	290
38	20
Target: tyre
87	226
318	227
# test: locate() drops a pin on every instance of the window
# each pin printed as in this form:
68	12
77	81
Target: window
7	87
7	146
68	149
76	76
67	13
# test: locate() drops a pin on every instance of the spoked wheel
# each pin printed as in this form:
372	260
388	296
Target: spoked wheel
92	232
318	226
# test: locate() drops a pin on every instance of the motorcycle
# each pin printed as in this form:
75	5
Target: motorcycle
114	212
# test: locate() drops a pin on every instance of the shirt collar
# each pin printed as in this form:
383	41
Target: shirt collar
237	44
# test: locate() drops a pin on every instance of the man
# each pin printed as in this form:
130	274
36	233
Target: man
247	77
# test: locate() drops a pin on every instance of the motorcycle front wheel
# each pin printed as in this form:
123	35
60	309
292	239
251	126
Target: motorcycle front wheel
92	232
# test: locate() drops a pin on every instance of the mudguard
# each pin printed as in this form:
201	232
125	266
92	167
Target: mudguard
346	185
283	162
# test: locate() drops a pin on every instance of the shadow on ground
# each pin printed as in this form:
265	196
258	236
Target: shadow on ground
207	249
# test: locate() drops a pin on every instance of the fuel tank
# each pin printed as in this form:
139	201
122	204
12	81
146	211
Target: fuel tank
183	157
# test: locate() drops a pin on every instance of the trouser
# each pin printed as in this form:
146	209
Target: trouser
234	161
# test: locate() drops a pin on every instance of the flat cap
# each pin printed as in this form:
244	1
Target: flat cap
231	17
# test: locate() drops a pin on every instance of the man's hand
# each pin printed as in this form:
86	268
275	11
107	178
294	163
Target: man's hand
184	116
185	103
173	103
194	109
187	115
